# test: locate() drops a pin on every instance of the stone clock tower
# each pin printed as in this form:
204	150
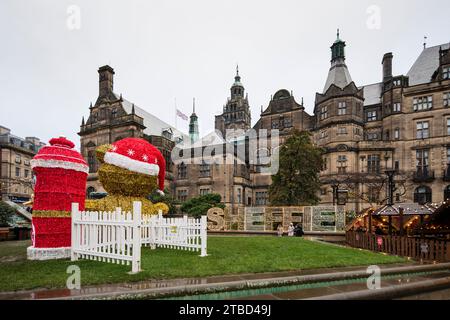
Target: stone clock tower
236	113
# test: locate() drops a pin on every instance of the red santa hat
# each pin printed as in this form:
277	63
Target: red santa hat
139	156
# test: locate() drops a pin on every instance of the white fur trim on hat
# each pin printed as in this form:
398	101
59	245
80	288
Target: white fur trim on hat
51	163
124	162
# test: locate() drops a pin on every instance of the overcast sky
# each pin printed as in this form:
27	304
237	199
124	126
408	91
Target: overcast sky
166	50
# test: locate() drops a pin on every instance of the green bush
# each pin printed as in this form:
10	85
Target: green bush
199	206
6	214
167	198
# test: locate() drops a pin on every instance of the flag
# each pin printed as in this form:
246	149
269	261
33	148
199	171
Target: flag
182	115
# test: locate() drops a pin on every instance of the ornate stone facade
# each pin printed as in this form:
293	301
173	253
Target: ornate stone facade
113	118
16	176
401	123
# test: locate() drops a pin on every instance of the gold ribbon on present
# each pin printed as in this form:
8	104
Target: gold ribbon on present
51	214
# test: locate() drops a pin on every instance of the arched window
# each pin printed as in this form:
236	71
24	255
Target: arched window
89	191
422	195
92	161
182	171
447	193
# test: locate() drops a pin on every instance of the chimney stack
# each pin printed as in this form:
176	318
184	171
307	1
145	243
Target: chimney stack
106	80
387	66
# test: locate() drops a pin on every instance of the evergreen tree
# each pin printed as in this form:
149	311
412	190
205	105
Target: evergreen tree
6	214
297	181
200	205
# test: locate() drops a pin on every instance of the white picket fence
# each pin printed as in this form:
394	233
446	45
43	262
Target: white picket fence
175	233
117	236
107	236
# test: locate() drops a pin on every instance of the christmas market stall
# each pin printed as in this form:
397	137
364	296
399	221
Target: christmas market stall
408	229
399	219
438	224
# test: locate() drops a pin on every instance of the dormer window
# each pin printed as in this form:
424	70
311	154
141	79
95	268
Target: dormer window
446	73
114	113
397	83
371	116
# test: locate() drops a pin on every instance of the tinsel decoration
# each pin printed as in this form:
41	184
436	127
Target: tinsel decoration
101	150
131	170
61	175
123	182
52	232
51	214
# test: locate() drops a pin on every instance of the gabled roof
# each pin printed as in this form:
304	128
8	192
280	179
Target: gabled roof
154	125
372	94
408	209
425	65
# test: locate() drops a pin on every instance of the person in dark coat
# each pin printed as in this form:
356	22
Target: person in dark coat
298	231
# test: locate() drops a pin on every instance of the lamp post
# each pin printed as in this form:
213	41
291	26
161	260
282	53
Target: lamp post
335	187
391	187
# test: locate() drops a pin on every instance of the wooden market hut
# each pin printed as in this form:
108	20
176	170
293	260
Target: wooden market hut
392	219
400	216
438	224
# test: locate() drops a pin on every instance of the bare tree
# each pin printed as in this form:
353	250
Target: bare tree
376	183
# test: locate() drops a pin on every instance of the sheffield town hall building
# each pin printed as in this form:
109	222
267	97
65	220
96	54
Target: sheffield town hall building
401	123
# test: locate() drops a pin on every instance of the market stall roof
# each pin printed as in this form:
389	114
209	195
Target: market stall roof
408	209
440	217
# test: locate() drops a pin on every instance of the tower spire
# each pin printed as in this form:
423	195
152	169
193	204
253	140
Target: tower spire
338	73
237	78
337	49
193	124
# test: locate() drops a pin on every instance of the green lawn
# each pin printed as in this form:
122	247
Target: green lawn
227	255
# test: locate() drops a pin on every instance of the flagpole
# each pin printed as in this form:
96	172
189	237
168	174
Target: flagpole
176	114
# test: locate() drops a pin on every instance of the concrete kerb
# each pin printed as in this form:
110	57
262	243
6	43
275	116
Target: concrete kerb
258	283
393	292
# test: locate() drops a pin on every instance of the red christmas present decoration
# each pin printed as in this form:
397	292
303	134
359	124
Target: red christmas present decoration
52	232
61	174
